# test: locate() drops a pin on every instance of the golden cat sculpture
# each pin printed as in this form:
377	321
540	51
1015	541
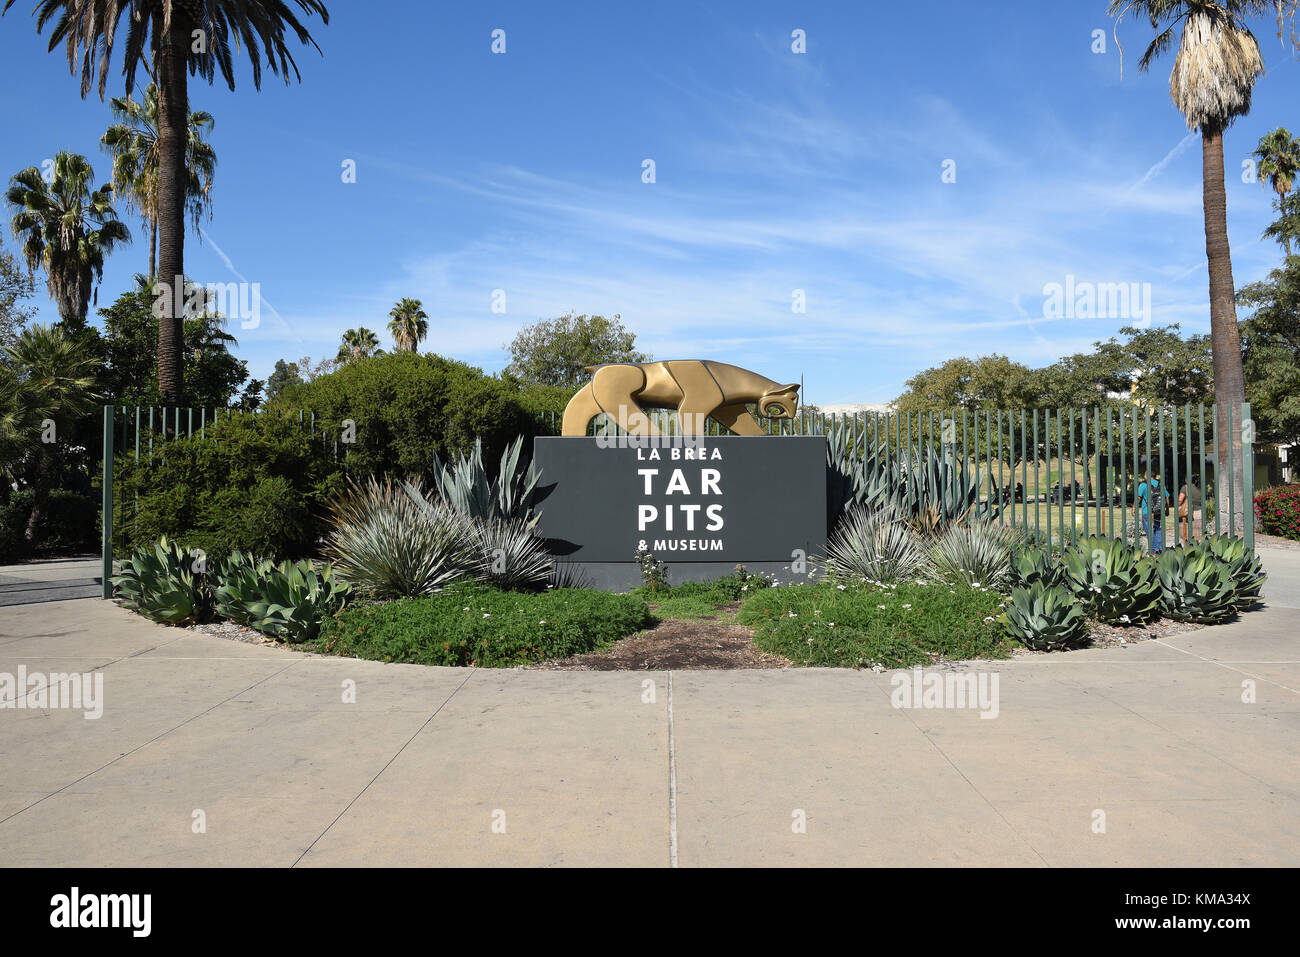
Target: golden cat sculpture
698	388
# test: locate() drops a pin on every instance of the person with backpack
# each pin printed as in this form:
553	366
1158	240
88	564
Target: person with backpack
1153	501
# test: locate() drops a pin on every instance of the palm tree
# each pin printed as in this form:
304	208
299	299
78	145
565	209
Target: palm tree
48	380
1278	155
174	38
358	344
409	325
133	143
66	228
1214	75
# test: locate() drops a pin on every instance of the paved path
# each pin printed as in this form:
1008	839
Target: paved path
55	580
582	769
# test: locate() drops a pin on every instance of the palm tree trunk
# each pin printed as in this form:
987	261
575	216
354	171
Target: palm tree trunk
153	249
173	113
1225	337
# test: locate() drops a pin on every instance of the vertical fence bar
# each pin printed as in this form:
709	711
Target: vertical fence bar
1218	464
1110	479
1074	481
1164	479
1001	516
1187	453
1123	474
1232	477
106	538
1024	472
1178	489
1247	477
1037	516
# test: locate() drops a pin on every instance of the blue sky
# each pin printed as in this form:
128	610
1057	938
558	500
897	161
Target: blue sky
775	172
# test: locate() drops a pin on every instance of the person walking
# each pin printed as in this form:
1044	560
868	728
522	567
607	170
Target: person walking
1189	508
1152	503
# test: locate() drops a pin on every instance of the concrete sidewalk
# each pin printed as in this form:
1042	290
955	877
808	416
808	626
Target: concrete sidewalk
259	743
55	579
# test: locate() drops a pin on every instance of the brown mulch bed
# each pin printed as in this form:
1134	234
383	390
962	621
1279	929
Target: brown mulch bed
679	644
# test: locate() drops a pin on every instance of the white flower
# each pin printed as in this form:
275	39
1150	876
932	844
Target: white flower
881	607
907	606
542	622
466	608
840	587
830	624
989	618
486	615
793	615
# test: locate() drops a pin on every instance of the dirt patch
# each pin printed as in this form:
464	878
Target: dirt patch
678	644
1273	541
1107	636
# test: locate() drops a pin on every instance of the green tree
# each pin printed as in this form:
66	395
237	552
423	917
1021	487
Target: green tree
1278	155
409	324
1286	228
988	382
283	375
161	34
15	288
1272	359
556	351
47	383
130	343
133	142
1215	69
67	228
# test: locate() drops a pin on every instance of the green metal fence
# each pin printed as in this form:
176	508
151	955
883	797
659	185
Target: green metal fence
1055	473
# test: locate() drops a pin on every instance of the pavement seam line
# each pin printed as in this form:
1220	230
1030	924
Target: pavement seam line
1189	741
387	764
672	779
962	774
1223	664
146	744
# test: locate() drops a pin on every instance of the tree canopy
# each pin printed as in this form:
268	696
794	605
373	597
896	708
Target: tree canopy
557	351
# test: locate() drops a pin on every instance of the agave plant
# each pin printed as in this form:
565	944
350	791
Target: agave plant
391	542
931	491
874	544
1113	582
1195	585
289	601
466	487
167	583
1244	567
1031	563
1044	617
975	554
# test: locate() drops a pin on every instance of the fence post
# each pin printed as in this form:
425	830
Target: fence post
107	521
1247	477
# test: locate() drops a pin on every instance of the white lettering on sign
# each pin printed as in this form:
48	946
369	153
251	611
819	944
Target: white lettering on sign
669	517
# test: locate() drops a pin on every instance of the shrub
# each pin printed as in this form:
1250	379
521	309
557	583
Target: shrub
255	483
1195	585
405	405
167	583
392	544
974	554
70	526
1030	564
1278	511
288	601
476	624
1112	581
1044	617
874	545
859	624
508	554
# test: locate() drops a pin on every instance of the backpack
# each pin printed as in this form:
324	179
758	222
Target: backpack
1156	499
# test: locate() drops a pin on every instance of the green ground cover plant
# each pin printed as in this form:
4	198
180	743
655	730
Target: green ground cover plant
477	624
857	624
